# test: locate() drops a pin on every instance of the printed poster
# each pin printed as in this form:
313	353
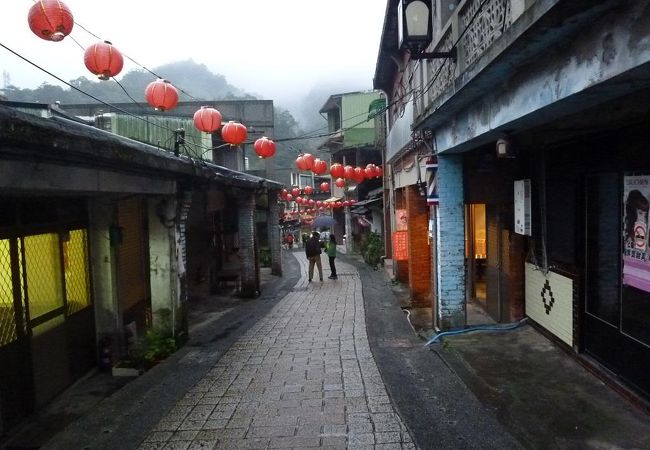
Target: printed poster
401	220
636	254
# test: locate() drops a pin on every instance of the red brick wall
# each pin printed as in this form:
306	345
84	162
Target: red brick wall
419	249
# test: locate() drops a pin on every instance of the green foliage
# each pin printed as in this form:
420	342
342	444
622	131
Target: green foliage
154	346
372	249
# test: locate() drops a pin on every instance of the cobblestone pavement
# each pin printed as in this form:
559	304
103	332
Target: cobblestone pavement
302	377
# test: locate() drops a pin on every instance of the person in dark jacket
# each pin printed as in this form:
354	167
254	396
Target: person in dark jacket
313	250
331	253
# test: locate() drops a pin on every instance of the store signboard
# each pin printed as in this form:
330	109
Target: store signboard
401	219
400	246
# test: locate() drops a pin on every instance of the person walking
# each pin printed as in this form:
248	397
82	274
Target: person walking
313	250
331	253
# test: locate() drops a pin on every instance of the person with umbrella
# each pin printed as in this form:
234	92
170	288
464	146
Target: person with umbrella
313	250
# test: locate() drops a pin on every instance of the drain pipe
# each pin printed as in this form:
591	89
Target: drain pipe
486	327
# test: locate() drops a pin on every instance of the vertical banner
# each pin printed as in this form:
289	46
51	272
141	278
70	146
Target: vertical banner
432	181
636	257
400	246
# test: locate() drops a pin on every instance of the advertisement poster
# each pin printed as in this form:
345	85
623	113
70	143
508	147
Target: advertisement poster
636	255
400	246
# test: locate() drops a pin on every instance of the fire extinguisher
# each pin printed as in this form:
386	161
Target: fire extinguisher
105	357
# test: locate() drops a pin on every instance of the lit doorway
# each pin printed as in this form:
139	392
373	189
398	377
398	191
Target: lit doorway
476	254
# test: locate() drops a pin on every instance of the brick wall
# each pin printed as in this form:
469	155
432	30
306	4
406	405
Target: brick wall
419	250
274	234
247	256
451	243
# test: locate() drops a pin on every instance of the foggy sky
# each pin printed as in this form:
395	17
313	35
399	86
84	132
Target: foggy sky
277	49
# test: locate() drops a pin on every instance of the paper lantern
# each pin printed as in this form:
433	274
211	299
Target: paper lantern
359	174
319	167
325	187
340	182
348	172
289	197
308	190
379	172
264	147
161	95
234	133
50	20
337	171
103	60
207	119
301	164
295	191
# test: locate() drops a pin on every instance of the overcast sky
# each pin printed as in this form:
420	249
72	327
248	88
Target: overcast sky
278	49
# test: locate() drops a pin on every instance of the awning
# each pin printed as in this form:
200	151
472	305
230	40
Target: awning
333	199
367	201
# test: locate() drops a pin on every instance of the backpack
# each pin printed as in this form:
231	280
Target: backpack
312	248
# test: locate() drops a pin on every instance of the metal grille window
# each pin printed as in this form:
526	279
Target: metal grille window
75	266
44	280
7	317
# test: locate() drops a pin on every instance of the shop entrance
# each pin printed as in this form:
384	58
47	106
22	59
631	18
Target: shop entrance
616	328
476	257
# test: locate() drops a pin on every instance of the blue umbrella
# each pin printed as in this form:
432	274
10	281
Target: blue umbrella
323	222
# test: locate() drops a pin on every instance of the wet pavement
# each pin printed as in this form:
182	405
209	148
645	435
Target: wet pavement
338	365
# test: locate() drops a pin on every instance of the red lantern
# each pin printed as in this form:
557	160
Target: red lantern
338	204
348	172
234	133
319	167
299	200
161	95
325	187
337	171
359	174
301	164
103	60
295	191
207	119
283	193
379	172
340	182
311	202
289	197
319	203
309	160
308	190
50	20
370	171
346	204
264	147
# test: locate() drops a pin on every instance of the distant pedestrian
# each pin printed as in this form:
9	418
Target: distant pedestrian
290	241
331	253
313	250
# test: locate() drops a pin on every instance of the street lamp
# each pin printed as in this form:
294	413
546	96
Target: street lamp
414	30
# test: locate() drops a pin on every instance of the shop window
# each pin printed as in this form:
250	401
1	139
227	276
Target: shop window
75	267
43	268
7	317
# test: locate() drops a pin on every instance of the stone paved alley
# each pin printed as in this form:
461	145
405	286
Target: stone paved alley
302	377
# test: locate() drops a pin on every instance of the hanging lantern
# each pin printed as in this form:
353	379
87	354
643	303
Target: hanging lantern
340	182
338	204
379	172
289	197
295	191
348	172
283	193
346	204
264	147
337	171
309	161
325	187
359	174
301	164
308	190
207	119
370	171
103	60
234	133
319	167
50	20
161	95
299	200
311	202
319	203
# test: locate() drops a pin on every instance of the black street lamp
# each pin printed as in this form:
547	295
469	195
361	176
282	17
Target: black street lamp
414	30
